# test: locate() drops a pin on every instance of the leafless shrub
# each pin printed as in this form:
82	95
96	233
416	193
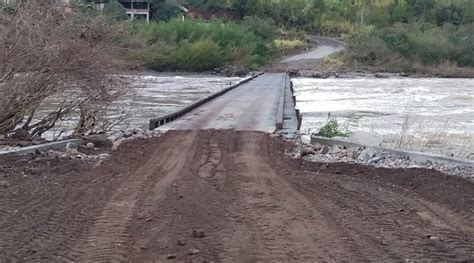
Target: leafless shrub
46	52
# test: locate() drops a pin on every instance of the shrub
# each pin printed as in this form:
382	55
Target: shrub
422	43
201	45
201	55
332	129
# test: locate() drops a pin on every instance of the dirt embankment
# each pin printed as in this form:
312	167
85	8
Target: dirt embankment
228	196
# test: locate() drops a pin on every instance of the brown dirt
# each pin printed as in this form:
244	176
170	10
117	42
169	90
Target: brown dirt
243	197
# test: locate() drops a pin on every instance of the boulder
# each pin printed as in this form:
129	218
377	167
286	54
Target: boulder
305	150
90	145
366	155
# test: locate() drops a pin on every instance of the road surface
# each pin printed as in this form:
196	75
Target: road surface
310	60
323	48
229	196
250	107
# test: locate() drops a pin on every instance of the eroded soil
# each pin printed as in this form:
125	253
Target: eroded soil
244	199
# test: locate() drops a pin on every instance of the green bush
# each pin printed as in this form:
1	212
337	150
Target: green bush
201	55
332	129
420	42
201	45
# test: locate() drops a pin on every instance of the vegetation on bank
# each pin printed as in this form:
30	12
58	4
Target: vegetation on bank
384	35
198	45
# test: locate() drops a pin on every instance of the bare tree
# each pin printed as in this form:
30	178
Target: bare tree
46	52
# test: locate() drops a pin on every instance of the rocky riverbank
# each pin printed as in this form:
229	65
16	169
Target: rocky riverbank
369	156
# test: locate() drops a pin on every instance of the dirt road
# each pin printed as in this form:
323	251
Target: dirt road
228	196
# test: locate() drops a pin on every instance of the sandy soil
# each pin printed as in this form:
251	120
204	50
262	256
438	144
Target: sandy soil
206	196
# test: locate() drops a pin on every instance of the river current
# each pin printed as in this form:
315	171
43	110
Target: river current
426	114
434	115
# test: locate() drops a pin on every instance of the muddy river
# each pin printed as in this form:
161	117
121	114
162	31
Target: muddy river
154	95
435	115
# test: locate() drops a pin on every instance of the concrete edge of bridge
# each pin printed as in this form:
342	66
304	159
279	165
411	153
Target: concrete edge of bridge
34	149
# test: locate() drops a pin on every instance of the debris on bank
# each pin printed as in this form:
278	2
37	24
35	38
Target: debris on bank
91	148
370	156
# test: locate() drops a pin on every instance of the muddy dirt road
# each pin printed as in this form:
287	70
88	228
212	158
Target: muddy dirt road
228	196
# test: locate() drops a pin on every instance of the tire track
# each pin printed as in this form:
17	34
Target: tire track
107	238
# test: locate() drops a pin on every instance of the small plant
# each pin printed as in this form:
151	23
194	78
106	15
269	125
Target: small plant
332	129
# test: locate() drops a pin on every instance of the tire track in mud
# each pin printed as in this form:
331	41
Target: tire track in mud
383	222
107	238
286	226
251	202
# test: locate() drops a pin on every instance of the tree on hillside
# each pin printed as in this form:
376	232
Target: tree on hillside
163	10
244	7
115	10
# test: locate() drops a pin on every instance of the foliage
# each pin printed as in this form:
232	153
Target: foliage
200	45
164	10
332	129
290	44
423	42
114	10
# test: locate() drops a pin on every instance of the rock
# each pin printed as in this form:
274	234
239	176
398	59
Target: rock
4	184
366	155
193	251
117	144
336	149
306	151
182	242
90	145
103	156
72	152
198	234
98	164
353	154
128	133
324	149
376	159
171	256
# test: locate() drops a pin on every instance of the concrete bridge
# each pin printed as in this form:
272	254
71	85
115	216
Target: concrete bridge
261	103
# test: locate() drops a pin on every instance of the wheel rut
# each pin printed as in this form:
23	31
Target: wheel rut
227	196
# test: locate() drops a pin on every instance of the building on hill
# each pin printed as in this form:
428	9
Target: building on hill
137	8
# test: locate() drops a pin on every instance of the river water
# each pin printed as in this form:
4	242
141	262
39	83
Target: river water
154	95
434	115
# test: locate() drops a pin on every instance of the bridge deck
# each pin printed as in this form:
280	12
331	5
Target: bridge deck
250	107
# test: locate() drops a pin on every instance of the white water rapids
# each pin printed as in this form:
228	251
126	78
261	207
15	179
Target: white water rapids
431	114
